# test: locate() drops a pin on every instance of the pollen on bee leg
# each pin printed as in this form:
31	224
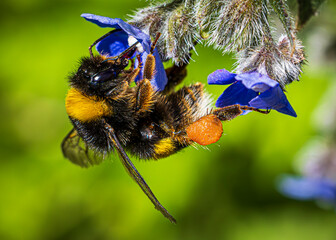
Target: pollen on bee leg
205	130
149	69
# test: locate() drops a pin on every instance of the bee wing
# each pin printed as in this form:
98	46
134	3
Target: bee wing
135	175
75	149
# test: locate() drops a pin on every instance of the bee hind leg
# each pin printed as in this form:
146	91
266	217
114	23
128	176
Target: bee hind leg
230	112
208	129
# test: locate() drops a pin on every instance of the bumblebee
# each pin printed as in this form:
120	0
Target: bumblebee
109	114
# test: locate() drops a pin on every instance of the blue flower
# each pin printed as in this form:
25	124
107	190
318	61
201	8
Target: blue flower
118	41
251	89
306	188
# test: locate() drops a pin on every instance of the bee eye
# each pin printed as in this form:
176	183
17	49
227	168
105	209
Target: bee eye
104	76
84	72
125	62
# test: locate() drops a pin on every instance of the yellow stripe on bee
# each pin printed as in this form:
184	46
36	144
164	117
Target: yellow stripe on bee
164	147
84	108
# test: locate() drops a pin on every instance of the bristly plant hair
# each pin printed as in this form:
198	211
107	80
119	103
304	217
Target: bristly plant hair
238	26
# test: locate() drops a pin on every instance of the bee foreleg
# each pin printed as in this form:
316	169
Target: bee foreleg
149	69
132	64
135	72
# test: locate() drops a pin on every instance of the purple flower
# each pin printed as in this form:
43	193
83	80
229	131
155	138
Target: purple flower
251	89
118	41
305	188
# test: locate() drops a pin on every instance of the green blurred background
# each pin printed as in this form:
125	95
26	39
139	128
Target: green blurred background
225	192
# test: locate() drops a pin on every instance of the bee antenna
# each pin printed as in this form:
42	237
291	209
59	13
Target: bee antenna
123	54
129	49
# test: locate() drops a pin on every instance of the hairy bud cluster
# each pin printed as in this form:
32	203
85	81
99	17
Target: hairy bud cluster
280	61
176	21
319	160
240	26
239	23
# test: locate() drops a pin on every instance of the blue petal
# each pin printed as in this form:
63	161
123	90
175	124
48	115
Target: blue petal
307	188
160	79
274	98
103	21
117	42
113	45
117	23
221	77
237	93
256	81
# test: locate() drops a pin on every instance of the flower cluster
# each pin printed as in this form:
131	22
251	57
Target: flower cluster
176	21
238	24
251	89
120	40
318	160
306	188
264	67
280	61
318	179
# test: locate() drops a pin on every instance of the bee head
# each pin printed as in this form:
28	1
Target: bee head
101	77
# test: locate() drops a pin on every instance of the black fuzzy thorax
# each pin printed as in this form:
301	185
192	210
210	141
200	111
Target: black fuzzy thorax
138	133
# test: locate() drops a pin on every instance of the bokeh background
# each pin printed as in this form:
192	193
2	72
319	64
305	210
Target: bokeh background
224	192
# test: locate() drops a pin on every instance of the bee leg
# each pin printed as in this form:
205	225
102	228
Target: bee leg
135	72
132	64
246	108
145	92
133	172
208	129
144	96
149	69
101	38
227	113
230	112
175	75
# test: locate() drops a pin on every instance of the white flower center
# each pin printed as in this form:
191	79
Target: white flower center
132	40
